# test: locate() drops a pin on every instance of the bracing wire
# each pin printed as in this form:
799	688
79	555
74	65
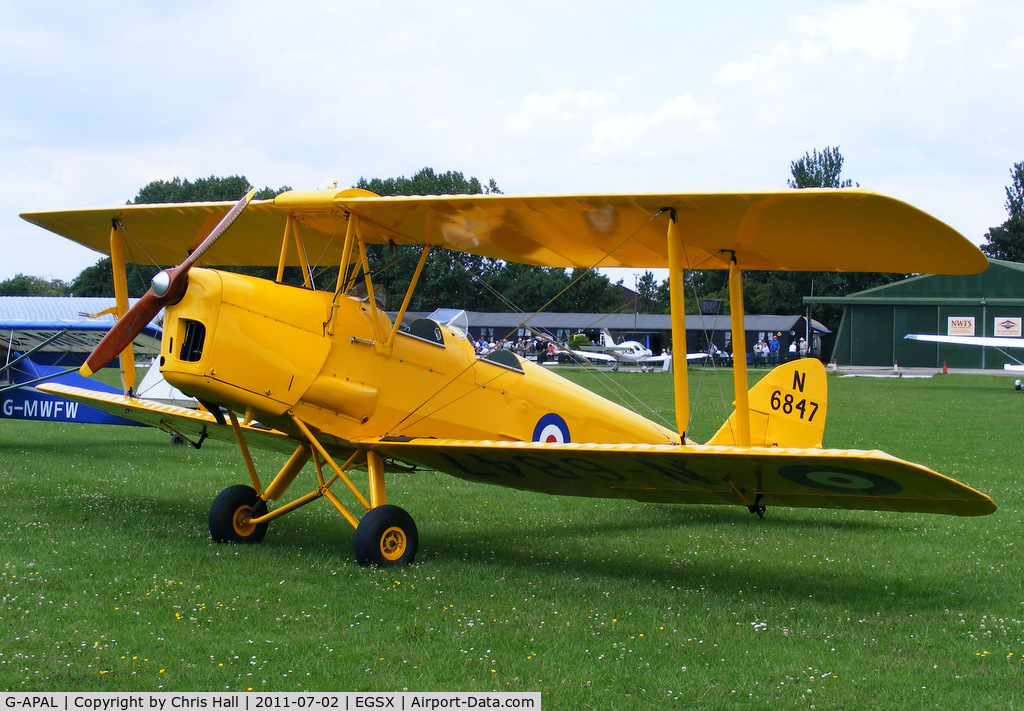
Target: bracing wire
524	324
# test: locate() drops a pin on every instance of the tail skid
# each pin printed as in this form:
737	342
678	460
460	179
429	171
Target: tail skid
787	408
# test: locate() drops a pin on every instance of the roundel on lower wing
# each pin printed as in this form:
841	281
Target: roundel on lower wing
841	481
551	429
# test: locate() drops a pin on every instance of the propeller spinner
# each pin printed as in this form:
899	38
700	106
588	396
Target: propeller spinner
167	288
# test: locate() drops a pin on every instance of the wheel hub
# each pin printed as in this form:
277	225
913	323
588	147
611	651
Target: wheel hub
393	543
241	522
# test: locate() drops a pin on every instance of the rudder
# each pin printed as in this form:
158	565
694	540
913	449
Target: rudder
787	408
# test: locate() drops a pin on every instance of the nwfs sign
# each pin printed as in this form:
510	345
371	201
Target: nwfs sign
960	326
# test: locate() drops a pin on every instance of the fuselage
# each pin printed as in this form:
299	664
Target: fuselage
632	352
268	349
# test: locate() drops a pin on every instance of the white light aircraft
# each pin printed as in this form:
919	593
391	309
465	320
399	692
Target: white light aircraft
997	342
626	353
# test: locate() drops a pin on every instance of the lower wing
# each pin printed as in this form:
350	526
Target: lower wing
696	474
699	474
193	425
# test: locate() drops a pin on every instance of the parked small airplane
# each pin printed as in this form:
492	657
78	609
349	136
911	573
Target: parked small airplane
330	377
997	342
46	339
627	353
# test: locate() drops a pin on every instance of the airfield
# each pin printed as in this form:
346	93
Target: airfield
110	580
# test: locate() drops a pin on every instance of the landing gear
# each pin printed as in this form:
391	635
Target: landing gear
230	514
385	536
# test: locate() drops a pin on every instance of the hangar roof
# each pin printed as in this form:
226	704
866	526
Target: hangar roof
1001	284
54	308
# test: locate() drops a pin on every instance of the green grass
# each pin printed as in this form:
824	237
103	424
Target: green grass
109	580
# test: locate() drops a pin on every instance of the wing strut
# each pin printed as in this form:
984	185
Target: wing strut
354	245
11	363
680	378
121	297
408	296
36	381
291	229
739	353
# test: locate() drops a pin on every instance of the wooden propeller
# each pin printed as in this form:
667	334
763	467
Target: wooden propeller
168	288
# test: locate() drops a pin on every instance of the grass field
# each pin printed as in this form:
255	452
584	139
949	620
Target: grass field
110	582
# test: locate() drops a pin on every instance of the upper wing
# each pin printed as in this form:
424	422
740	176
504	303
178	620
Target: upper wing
811	478
992	341
192	424
798	230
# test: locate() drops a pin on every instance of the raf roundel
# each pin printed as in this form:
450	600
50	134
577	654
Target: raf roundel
551	429
843	481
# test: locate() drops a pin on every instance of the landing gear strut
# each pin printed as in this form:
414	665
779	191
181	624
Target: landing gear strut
385	536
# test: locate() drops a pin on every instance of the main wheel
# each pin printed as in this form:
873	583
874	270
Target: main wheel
385	536
229	516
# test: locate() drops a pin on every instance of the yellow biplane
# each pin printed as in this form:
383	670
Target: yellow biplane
330	377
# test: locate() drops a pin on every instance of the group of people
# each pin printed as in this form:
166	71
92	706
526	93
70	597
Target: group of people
769	352
523	347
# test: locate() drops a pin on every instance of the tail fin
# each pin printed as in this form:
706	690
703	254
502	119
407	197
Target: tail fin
787	408
606	338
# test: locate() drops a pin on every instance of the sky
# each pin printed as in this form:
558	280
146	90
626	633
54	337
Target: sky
921	97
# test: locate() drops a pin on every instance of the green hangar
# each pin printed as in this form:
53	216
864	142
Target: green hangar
875	321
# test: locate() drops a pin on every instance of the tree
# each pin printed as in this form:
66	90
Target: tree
98	280
647	293
427	182
23	285
590	292
819	170
212	189
520	287
1007	240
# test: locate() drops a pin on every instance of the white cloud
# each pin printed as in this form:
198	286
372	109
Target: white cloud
540	109
622	131
876	29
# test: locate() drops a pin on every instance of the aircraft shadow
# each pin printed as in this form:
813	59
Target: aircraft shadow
554	548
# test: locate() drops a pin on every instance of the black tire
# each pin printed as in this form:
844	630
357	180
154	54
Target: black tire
229	516
386	536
